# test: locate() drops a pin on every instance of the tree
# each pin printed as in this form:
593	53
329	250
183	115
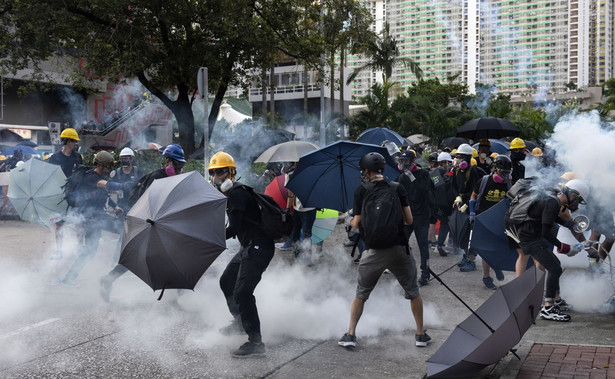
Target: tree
162	43
377	114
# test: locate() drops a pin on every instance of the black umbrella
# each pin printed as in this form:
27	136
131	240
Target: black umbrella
9	136
487	127
27	143
492	330
459	225
453	142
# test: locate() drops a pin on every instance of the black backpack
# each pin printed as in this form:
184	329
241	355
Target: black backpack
275	222
74	194
381	215
521	186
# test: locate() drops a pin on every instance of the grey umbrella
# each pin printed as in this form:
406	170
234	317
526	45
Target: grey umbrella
289	151
492	330
174	232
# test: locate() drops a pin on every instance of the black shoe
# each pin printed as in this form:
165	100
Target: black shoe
105	288
422	340
489	283
348	340
348	244
249	350
233	329
442	252
423	281
499	275
563	305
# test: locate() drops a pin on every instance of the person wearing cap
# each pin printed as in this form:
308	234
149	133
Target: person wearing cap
484	155
173	164
92	215
444	195
517	154
420	189
127	175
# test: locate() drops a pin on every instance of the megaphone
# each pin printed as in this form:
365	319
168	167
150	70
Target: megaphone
581	224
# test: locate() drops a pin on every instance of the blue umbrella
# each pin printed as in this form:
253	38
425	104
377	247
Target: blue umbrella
376	136
497	146
328	177
489	240
26	150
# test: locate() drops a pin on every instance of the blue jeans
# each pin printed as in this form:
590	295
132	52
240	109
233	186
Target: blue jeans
420	228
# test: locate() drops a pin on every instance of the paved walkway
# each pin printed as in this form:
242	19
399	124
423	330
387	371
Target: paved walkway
568	361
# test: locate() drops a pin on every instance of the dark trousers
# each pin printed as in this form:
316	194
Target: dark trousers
420	227
443	230
238	281
542	251
302	224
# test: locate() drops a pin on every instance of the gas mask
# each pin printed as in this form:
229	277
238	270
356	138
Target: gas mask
125	162
517	156
223	185
501	176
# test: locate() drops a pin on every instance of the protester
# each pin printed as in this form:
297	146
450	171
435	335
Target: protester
173	165
444	195
517	154
394	254
244	271
487	193
433	160
127	175
67	158
420	192
531	220
484	155
91	214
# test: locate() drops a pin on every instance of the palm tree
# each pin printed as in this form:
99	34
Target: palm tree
384	55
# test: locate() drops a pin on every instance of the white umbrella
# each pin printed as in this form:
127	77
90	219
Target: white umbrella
289	151
418	138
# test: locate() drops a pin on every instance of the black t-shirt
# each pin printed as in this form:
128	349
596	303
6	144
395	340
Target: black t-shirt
420	192
67	163
464	182
359	193
492	194
544	211
241	207
95	198
485	166
518	171
132	177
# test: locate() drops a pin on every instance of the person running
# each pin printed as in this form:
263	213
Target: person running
396	257
92	214
174	162
420	191
531	220
245	270
517	154
488	192
67	159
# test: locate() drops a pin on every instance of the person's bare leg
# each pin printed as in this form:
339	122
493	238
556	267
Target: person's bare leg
432	233
605	247
416	305
485	269
521	263
356	310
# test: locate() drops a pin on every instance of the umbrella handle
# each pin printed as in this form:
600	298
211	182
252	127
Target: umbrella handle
162	292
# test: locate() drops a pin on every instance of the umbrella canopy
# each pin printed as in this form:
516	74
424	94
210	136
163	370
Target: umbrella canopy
35	191
27	143
289	151
328	177
497	146
26	150
453	142
418	138
325	222
376	136
459	224
277	191
174	231
472	345
7	136
489	240
487	127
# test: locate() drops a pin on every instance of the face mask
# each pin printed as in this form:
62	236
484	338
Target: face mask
517	156
125	162
169	170
223	185
413	167
483	156
463	165
497	178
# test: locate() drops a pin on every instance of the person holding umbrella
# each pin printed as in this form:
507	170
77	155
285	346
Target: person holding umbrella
245	270
517	154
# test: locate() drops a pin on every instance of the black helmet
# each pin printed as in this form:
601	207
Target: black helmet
373	162
433	157
502	162
408	154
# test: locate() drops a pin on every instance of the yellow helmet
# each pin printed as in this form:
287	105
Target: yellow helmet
474	153
537	152
2	157
454	151
568	176
70	133
517	143
473	162
493	155
221	160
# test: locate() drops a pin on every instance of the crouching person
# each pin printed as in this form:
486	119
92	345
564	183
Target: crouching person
380	211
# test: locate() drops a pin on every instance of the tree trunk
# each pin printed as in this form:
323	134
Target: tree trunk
185	122
305	102
332	83
272	97
264	96
342	82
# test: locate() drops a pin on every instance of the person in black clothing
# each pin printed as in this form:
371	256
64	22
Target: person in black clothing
245	270
420	189
484	155
92	215
173	163
489	191
444	195
465	177
517	154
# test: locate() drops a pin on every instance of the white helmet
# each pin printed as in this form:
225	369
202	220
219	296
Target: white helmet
465	149
578	186
127	152
444	156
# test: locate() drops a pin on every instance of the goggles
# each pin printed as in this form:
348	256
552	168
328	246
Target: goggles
218	171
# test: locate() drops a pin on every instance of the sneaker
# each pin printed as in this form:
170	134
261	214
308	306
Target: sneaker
553	313
441	250
422	340
463	261
288	245
249	350
499	275
470	266
433	245
105	288
423	281
233	329
489	283
563	305
348	340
